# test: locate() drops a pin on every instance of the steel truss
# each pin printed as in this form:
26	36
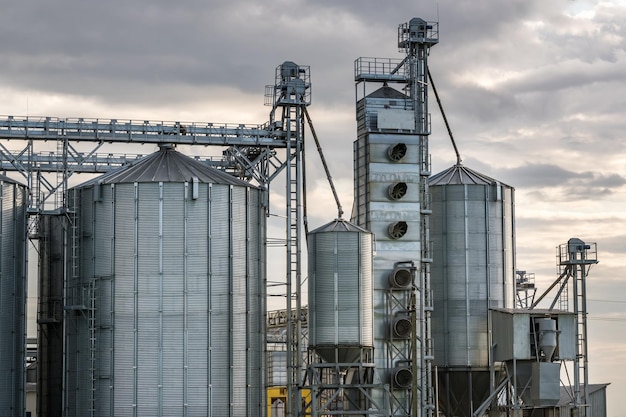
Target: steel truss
257	153
409	359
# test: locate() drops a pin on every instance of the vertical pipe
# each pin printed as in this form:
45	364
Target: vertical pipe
65	393
514	384
93	331
577	394
290	351
112	331
467	273
470	391
21	265
136	302
583	293
209	303
249	337
436	374
513	267
298	232
185	304
489	276
231	303
448	410
160	335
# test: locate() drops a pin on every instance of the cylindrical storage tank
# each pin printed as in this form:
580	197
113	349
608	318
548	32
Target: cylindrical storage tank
473	270
166	293
14	202
50	345
340	291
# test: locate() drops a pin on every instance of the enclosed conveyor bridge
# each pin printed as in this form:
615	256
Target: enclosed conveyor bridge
130	131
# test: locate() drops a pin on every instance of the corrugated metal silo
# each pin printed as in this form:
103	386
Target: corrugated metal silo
340	291
14	201
473	234
166	288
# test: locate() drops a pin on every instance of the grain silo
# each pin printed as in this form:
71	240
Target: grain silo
341	318
166	292
14	201
340	292
473	270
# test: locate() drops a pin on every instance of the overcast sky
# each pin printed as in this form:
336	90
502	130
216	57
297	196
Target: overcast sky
535	91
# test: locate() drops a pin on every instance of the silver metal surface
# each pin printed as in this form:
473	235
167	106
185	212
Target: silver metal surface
13	201
340	291
473	270
167	314
393	125
95	130
512	327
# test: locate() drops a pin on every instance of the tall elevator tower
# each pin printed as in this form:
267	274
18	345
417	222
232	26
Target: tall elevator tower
392	166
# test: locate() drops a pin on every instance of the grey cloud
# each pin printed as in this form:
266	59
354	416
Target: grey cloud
542	176
551	122
609	181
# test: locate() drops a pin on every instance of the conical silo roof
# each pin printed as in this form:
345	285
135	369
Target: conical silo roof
387	92
459	174
339	225
167	165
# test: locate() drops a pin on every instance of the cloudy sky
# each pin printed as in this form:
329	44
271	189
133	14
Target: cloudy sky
535	92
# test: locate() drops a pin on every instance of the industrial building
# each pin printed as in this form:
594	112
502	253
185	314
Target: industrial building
153	273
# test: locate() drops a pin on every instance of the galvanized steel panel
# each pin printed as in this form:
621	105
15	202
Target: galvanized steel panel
380	143
13	203
185	326
472	270
340	290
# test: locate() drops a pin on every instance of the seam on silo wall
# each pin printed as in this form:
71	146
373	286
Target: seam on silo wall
136	301
209	301
160	312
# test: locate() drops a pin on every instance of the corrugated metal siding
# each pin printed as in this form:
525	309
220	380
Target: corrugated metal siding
13	200
197	303
340	289
124	203
185	304
473	270
220	306
257	299
240	304
374	211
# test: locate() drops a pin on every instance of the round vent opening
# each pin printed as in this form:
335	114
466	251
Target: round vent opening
397	152
397	229
401	278
402	377
402	327
397	190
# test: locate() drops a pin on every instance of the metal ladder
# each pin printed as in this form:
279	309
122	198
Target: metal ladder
427	400
61	173
291	120
564	294
93	346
